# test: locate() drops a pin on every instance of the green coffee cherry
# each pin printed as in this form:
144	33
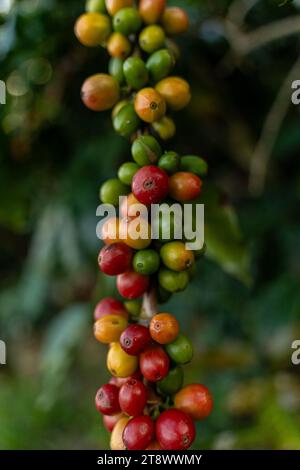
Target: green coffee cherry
181	350
165	128
146	262
95	6
173	281
115	68
146	150
127	21
111	190
194	164
152	38
172	382
127	171
135	72
176	256
159	64
126	122
170	162
133	307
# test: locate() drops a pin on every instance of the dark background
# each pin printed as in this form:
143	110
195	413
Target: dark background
242	309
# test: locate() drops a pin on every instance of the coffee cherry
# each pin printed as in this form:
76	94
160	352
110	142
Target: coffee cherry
115	68
165	128
127	171
133	307
111	190
138	433
146	262
176	92
181	350
195	400
154	363
193	164
135	72
92	29
159	64
126	122
100	92
133	397
149	105
176	256
169	162
125	211
173	281
135	339
115	259
154	446
146	150
135	232
113	6
120	381
172	382
166	224
110	231
107	400
116	439
109	422
150	185
175	430
185	186
110	306
95	6
119	363
152	38
109	328
118	46
151	10
127	21
164	328
175	21
132	285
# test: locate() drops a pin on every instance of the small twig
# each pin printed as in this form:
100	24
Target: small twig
149	307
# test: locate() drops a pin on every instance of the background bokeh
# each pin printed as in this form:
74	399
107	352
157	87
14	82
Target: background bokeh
242	309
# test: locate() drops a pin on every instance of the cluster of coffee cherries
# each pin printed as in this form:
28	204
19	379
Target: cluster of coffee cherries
144	404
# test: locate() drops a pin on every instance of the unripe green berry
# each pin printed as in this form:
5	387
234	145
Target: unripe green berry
170	162
133	307
146	150
173	281
194	164
95	6
111	190
127	21
115	68
126	122
135	72
181	350
127	171
159	64
172	382
146	262
165	128
152	38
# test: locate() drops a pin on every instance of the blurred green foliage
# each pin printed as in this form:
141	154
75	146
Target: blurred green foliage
242	310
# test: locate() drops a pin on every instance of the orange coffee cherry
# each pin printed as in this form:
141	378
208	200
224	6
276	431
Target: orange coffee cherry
92	29
118	46
100	92
109	328
130	200
184	186
175	21
176	91
149	105
116	438
151	10
113	6
110	231
195	400
135	232
164	328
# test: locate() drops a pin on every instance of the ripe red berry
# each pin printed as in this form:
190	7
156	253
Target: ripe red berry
138	433
154	363
110	421
115	259
175	430
133	397
107	400
132	285
195	400
119	381
135	339
150	185
109	306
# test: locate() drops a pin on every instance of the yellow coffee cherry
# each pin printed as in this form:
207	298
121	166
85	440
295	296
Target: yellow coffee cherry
165	128
116	438
92	29
119	363
108	329
149	105
176	91
118	46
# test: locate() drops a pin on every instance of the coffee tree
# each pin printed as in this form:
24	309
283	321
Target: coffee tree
144	405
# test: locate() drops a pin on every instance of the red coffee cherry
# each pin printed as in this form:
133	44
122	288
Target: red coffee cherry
109	306
185	186
115	259
195	400
119	381
154	363
132	285
109	422
135	339
175	430
107	400
138	433
150	185
133	397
